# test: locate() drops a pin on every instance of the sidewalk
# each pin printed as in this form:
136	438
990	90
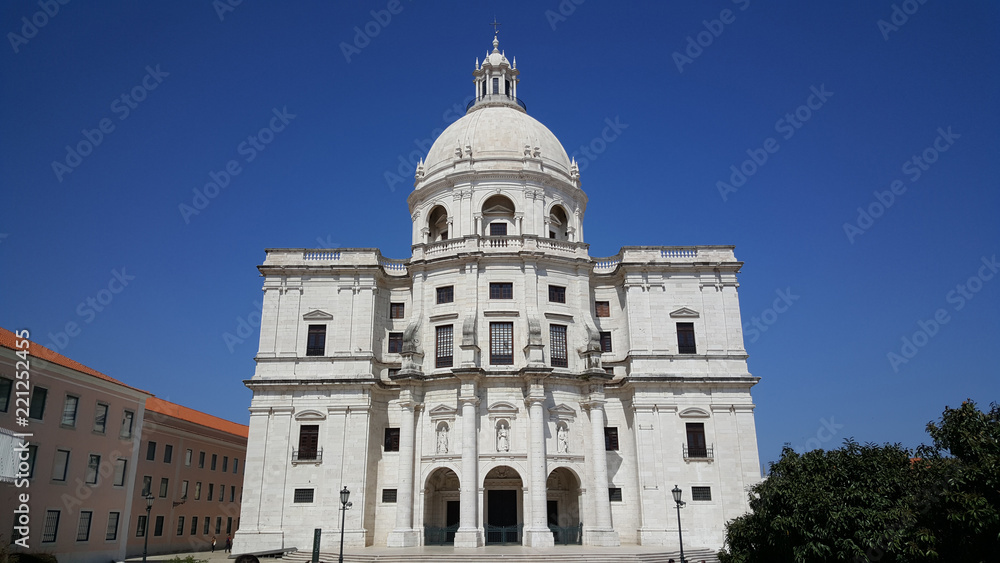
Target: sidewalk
220	556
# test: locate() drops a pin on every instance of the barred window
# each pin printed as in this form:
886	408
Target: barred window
557	344
557	294
303	495
446	294
445	338
611	438
502	343
388	495
498	229
316	341
602	308
397	310
395	342
701	493
392	439
51	526
501	290
685	338
605	342
615	494
83	528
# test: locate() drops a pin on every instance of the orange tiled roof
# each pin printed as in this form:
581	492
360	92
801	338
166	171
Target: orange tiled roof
190	415
9	340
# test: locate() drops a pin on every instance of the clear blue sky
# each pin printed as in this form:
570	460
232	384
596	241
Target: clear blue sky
924	84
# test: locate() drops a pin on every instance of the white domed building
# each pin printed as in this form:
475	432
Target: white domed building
500	385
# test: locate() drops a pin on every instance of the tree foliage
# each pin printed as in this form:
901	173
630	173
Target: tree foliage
870	503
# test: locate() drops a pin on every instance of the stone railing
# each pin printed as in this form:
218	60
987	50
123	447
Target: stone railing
392	266
606	265
321	255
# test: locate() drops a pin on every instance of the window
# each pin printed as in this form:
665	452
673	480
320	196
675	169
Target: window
445	294
59	465
194	525
502	344
303	495
225	463
140	527
501	290
308	441
218	524
685	338
188	455
615	494
147	484
229	525
168	453
602	308
215	458
232	493
316	343
611	438
392	439
388	495
696	440
557	294
201	460
498	229
164	482
69	410
552	234
444	347
606	342
111	534
158	528
184	491
5	387
83	528
395	342
51	528
208	522
557	346
127	418
701	493
101	418
197	491
151	451
397	310
236	464
121	466
211	491
32	456
180	525
37	411
496	85
93	464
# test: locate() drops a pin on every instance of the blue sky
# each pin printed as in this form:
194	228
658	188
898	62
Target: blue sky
819	107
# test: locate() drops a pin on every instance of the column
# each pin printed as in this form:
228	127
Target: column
537	533
404	535
468	528
601	533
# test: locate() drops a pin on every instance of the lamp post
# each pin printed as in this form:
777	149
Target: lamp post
677	498
145	544
344	495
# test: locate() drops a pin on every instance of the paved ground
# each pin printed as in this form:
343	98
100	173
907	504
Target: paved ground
220	556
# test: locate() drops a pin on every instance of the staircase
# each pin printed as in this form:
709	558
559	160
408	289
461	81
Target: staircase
511	554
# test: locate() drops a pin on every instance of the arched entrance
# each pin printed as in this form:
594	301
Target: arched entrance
441	507
563	496
503	499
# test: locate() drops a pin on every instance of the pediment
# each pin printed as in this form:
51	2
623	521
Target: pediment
694	412
502	409
562	411
310	415
442	412
317	315
684	313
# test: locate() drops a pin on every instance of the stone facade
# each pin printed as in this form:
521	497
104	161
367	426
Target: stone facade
500	385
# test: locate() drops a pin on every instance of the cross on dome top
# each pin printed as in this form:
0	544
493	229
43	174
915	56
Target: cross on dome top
496	80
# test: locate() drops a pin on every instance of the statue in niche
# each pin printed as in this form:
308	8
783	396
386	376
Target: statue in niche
442	439
562	440
503	442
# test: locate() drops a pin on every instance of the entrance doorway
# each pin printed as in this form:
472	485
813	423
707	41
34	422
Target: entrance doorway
563	490
503	501
441	507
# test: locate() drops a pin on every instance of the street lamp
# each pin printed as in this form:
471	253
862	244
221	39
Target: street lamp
344	495
145	544
677	498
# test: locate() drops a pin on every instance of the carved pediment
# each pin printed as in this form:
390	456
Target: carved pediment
442	412
694	412
310	415
562	412
317	315
684	313
502	409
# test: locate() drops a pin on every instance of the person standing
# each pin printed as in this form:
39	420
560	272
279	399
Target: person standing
229	544
213	544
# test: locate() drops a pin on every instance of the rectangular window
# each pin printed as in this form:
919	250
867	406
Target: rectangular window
685	338
445	294
602	308
5	388
158	528
557	294
397	310
308	441
236	464
211	491
37	410
32	456
127	418
197	491
180	525
496	85
225	463
392	439
215	458
83	528
557	346
218	524
188	456
615	494
164	483
501	290
93	465
101	418
444	337
51	529
194	525
232	493
69	410
502	344
701	493
389	495
208	522
201	460
121	467
606	342
151	451
168	453
59	465
184	491
611	438
303	495
147	484
696	446
395	342
140	526
111	533
498	229
229	525
316	342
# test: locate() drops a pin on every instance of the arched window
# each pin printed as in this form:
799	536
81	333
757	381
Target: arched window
558	223
437	224
498	216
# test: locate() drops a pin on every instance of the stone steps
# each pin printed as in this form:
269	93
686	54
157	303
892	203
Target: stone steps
512	554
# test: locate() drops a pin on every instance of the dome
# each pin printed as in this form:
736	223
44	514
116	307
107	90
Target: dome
498	133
